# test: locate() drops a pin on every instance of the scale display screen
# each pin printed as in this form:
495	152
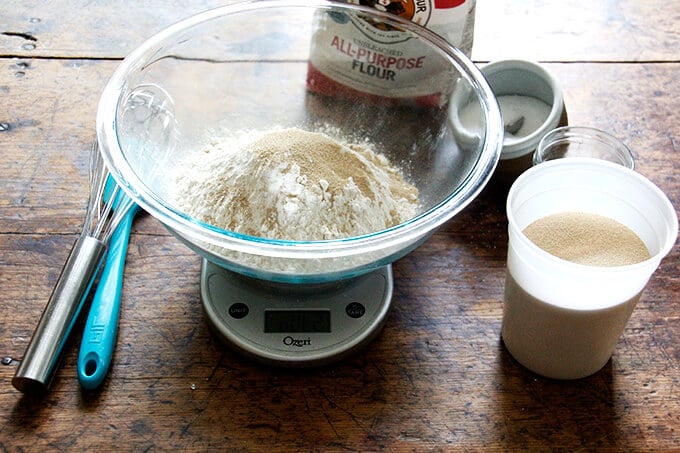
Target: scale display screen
297	321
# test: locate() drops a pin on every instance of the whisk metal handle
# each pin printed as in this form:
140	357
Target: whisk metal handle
41	358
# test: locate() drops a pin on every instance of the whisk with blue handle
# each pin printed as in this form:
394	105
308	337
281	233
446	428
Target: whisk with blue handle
40	361
101	327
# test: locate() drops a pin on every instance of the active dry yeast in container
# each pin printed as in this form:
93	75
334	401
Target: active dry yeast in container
351	52
585	236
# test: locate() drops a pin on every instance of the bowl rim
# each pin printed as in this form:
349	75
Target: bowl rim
400	234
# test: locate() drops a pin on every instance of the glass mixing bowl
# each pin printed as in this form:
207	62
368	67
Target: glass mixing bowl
251	66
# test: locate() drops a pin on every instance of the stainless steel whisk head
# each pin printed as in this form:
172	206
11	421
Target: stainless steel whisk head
105	210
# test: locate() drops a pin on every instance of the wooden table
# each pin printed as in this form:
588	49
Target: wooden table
438	377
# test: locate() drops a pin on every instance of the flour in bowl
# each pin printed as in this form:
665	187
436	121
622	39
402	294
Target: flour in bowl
292	184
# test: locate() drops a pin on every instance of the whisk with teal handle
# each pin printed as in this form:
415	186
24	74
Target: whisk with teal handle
40	361
101	327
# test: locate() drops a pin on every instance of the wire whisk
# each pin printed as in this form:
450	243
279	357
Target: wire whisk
104	213
106	208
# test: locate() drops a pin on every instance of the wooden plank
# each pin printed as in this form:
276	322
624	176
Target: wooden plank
572	30
544	30
79	29
50	113
437	378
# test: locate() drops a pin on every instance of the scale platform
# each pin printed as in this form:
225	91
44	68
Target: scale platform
295	325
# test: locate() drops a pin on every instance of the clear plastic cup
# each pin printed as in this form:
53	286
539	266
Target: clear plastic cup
561	319
578	141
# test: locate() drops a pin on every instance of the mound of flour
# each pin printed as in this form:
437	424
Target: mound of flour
292	184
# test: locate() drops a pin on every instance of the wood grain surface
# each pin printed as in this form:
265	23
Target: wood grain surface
438	377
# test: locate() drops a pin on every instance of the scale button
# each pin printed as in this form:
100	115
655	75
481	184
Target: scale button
238	310
355	310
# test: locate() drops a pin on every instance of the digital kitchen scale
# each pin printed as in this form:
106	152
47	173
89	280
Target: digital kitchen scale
295	325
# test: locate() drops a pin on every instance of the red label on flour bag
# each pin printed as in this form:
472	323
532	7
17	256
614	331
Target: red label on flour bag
353	54
448	3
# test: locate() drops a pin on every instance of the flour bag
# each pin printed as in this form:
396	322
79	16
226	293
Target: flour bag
351	53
